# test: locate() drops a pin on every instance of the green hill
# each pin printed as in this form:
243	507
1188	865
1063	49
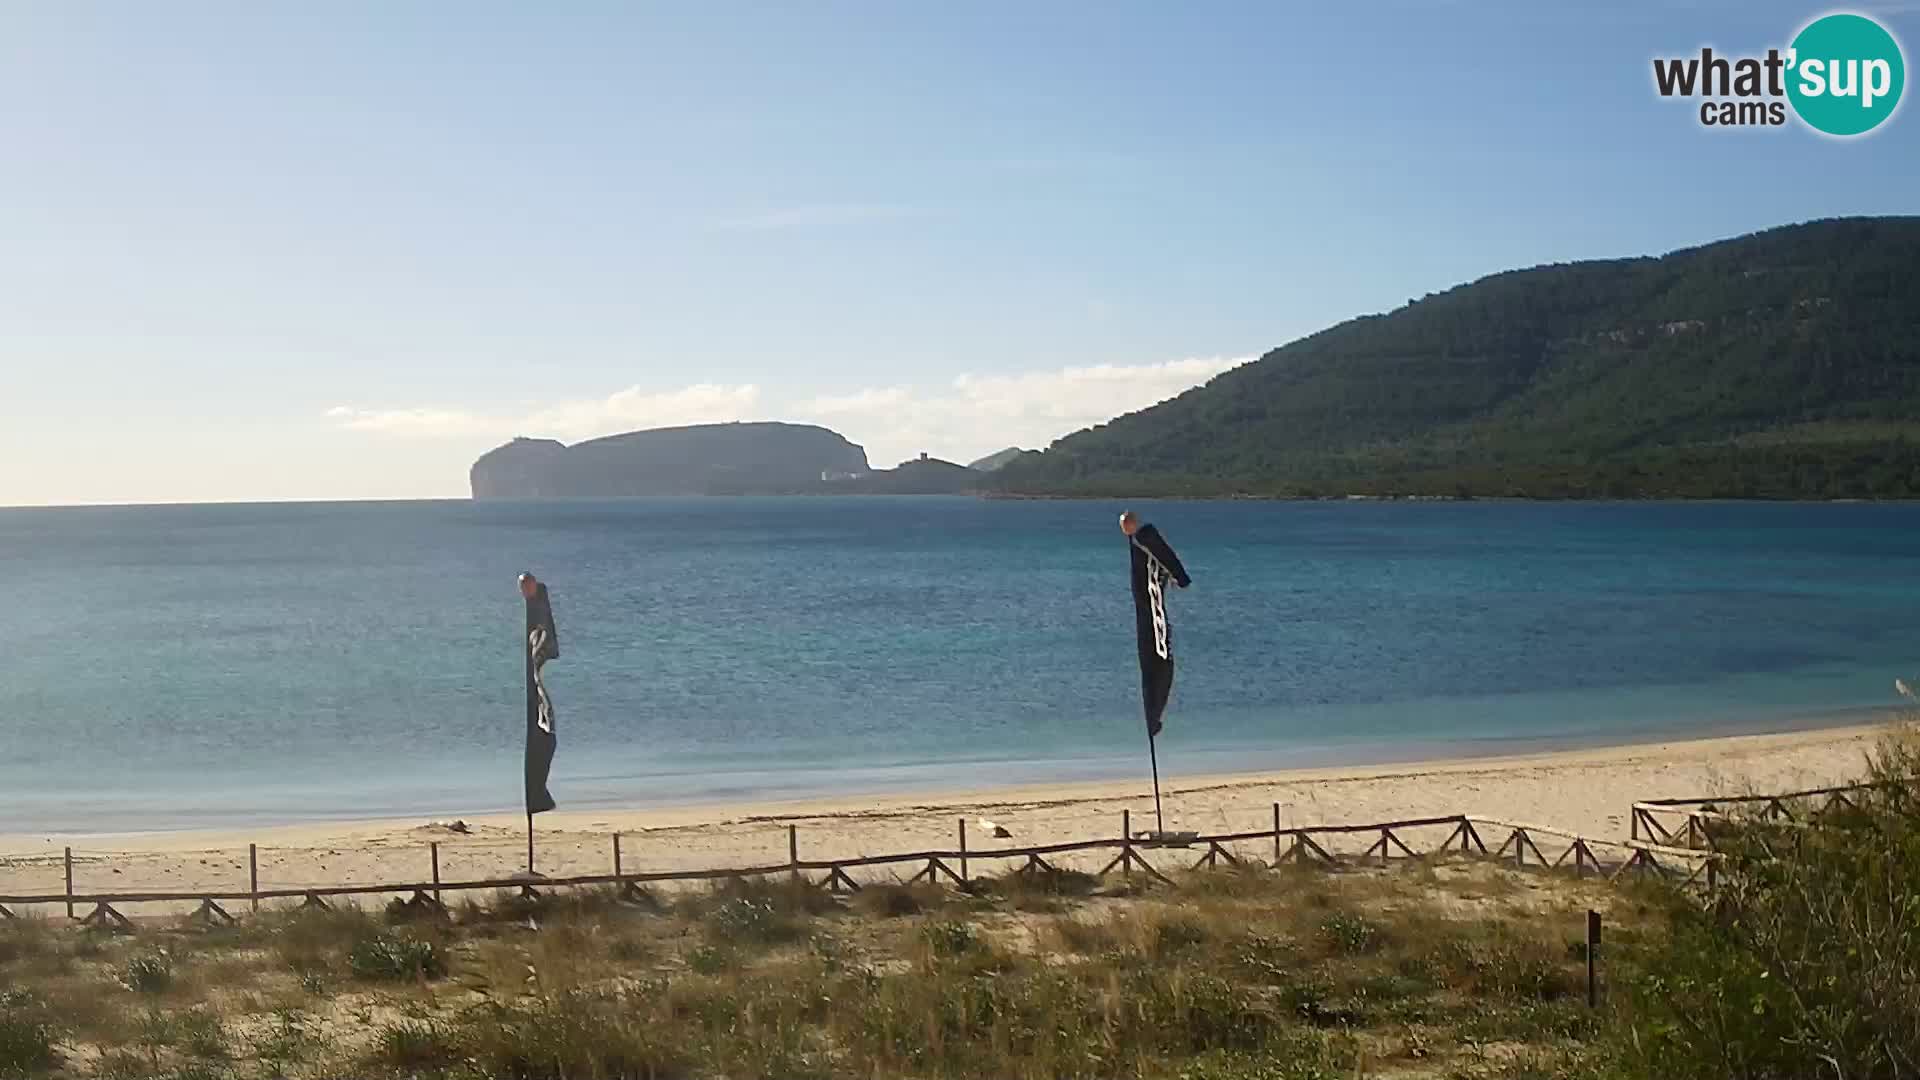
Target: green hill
1781	364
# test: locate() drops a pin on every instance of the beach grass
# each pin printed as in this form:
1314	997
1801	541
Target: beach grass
1445	967
1227	974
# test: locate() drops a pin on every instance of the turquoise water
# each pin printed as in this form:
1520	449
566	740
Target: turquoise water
171	667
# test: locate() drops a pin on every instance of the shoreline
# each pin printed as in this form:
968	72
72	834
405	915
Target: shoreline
1323	762
1587	792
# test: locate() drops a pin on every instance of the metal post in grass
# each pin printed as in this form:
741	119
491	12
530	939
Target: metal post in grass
253	877
69	864
1593	959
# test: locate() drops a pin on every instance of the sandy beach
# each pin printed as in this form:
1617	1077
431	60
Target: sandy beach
1584	791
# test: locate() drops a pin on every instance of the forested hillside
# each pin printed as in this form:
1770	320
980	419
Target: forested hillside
1781	364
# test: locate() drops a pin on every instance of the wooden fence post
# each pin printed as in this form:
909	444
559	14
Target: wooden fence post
433	849
1276	834
1126	843
69	863
1593	959
963	850
253	877
793	849
616	854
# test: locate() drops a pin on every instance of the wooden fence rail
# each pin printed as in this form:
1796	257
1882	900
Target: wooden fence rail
1685	821
1638	856
1295	844
1722	800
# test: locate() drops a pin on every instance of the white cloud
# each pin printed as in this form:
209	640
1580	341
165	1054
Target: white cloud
569	421
1089	395
633	408
966	418
975	415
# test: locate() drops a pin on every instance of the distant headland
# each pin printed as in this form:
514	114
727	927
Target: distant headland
760	458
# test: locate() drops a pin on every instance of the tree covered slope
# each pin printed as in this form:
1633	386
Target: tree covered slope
1781	364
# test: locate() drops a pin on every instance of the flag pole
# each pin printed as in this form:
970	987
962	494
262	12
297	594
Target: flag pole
529	841
1159	825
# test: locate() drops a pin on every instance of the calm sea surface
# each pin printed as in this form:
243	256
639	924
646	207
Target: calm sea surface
174	667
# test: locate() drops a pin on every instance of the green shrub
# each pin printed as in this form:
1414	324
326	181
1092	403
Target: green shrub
26	1035
1314	998
1266	957
148	973
951	938
1807	962
395	958
1351	934
710	959
743	919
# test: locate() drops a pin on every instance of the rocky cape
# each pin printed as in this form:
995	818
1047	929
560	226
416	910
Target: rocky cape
767	458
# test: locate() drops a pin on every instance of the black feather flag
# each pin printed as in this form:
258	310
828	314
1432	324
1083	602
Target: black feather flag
1154	565
542	645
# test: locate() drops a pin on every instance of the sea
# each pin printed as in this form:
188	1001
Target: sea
178	667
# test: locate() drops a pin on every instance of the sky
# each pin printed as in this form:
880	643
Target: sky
336	251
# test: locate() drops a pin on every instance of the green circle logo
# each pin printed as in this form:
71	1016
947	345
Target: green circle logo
1845	74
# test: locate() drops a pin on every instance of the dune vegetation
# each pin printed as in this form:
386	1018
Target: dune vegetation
1802	963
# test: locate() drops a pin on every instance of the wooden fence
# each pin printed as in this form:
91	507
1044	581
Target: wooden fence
1685	823
1466	835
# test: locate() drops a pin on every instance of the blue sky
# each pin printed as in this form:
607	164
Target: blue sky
258	252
